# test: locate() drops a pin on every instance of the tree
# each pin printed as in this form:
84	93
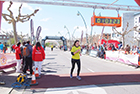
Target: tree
124	32
22	37
22	18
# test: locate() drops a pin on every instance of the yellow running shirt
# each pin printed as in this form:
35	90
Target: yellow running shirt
77	55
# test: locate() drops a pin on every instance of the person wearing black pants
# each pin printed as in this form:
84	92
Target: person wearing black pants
75	51
28	59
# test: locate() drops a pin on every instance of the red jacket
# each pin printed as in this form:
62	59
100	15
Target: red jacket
17	49
38	55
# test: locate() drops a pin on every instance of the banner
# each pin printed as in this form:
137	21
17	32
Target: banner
38	33
32	30
1	3
138	2
7	61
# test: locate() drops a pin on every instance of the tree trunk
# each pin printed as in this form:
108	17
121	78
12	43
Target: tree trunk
15	32
123	41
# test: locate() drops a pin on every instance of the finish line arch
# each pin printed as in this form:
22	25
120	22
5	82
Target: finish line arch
55	38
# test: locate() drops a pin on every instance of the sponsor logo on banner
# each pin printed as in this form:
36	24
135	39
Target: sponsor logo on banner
38	32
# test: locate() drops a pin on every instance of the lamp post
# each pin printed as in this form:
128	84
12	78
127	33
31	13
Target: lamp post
59	33
74	32
84	24
69	35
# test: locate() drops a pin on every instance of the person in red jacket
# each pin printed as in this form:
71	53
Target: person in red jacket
18	57
38	55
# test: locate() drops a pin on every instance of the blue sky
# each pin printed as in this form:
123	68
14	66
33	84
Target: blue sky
53	18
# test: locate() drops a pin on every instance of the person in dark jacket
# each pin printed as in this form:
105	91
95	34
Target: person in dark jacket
38	55
28	59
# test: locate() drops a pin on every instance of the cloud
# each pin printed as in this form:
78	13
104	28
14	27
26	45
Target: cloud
38	8
45	19
82	28
25	5
46	29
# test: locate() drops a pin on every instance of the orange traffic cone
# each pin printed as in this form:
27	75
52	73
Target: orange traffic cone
33	82
36	73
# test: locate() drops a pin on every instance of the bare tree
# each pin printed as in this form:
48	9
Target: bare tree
22	18
22	36
125	32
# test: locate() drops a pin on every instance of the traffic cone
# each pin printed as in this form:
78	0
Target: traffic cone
33	82
36	73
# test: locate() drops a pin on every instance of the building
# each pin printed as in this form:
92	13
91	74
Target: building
106	36
132	37
4	38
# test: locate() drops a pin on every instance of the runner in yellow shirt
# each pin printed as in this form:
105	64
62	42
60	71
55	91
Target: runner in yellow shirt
75	51
51	47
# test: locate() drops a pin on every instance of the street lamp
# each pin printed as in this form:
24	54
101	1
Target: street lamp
69	35
59	33
84	24
74	32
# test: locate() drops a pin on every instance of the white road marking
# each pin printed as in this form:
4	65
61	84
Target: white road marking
90	70
90	89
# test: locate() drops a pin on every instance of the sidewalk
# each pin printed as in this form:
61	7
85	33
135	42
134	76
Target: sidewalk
9	78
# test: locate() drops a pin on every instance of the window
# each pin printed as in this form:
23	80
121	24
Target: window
113	34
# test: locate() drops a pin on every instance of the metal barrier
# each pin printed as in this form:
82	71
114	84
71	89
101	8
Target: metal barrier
93	53
84	51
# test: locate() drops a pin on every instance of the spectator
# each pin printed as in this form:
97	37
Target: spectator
18	57
113	47
1	46
120	45
109	48
127	49
23	59
28	59
4	48
38	55
138	51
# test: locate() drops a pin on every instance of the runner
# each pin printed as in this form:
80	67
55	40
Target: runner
51	47
38	55
75	51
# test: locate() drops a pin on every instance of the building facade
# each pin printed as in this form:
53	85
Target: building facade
133	19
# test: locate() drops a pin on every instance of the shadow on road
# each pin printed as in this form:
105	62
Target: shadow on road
55	81
51	54
49	58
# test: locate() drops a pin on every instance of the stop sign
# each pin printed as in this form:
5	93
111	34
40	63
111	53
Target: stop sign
138	2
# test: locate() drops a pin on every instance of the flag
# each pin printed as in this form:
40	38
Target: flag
81	37
38	33
32	30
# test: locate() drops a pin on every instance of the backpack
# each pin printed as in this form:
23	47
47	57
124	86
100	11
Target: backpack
21	78
26	51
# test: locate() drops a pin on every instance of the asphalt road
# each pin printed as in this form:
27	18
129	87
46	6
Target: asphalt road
98	76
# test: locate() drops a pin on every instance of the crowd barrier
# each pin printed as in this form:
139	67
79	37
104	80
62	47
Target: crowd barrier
93	53
7	61
121	57
84	51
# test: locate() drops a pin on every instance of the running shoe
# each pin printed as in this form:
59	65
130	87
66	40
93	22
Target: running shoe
71	76
78	77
